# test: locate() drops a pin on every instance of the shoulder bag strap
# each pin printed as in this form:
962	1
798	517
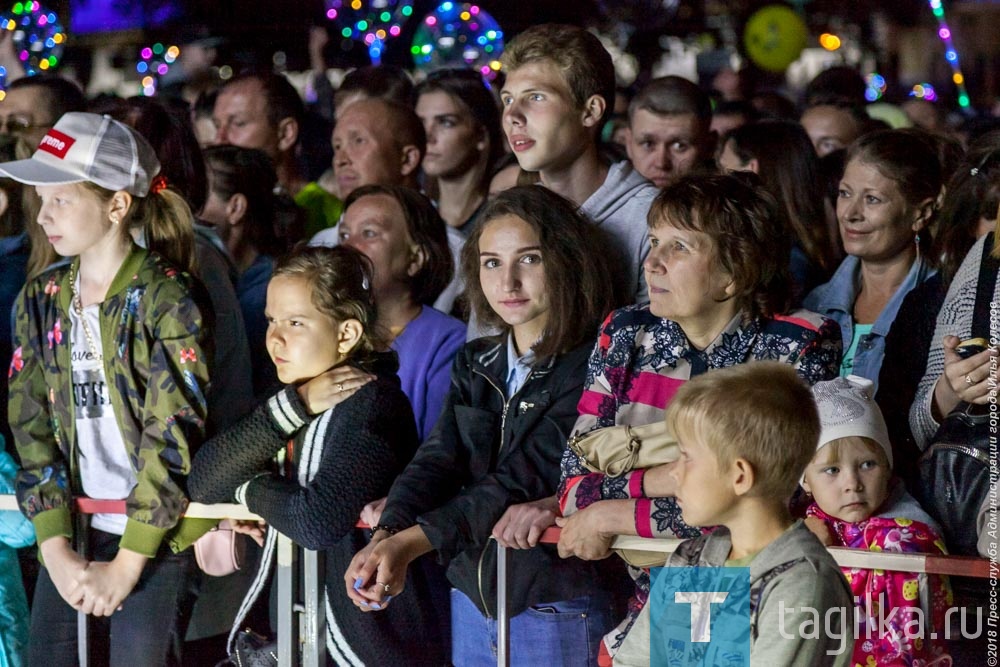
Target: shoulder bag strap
985	287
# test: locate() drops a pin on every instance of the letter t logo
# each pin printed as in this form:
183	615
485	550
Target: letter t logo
701	611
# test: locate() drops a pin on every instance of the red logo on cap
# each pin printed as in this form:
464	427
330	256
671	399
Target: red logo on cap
57	143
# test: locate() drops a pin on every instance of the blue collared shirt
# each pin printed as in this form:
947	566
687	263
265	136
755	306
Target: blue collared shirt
518	368
836	300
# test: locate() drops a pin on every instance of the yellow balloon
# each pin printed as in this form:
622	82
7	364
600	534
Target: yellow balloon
774	37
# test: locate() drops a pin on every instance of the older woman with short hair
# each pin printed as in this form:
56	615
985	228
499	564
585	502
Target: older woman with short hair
718	283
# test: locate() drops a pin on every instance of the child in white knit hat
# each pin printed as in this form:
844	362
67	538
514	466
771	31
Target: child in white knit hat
857	504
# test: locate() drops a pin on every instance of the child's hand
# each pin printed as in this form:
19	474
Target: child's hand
331	388
372	512
106	585
819	528
66	568
255	529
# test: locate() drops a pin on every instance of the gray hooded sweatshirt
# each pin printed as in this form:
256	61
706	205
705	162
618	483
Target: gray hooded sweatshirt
797	570
619	209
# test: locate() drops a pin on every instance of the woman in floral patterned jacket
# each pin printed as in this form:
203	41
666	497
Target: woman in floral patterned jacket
107	391
719	292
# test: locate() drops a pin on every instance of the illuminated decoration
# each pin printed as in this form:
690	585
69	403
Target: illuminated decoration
875	86
38	37
950	54
829	42
924	91
371	22
154	62
775	37
458	35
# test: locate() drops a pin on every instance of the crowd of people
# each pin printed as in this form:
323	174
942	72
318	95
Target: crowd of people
445	328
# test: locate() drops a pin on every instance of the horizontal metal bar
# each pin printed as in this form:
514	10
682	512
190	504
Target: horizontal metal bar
194	510
960	566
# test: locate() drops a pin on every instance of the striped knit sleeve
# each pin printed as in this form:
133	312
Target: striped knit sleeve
287	410
955	319
245	450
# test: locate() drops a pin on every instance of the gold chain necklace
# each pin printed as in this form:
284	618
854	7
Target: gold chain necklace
77	303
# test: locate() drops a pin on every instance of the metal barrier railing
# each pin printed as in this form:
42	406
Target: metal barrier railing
305	637
308	634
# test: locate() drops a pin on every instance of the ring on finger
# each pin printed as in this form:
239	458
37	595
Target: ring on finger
385	587
340	386
968	379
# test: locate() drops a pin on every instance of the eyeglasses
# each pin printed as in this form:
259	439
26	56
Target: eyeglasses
16	125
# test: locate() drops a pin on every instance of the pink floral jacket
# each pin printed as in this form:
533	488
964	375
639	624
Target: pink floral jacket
896	612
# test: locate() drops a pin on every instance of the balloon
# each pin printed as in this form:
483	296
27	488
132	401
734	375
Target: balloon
458	35
774	37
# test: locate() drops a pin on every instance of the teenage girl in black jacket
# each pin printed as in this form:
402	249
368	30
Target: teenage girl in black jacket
532	268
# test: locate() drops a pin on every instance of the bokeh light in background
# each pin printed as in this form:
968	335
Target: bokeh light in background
875	87
924	91
154	62
829	41
950	54
371	22
38	36
458	35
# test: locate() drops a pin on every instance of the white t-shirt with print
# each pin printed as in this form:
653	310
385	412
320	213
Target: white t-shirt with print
105	471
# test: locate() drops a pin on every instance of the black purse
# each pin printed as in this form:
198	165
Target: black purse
955	468
253	650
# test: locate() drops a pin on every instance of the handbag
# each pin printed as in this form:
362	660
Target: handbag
616	450
251	649
955	468
221	551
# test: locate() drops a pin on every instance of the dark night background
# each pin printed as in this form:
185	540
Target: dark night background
256	29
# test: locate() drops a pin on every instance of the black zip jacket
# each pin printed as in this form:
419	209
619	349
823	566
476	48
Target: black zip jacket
485	454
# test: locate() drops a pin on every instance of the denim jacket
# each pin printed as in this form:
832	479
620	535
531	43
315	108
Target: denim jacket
836	300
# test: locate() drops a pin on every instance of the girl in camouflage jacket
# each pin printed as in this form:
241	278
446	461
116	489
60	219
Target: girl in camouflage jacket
107	390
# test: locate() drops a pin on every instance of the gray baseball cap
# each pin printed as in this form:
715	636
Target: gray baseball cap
89	147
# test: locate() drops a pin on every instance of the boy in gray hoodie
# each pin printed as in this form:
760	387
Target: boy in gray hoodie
560	85
746	434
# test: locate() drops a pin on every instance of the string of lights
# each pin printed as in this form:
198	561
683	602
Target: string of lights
950	53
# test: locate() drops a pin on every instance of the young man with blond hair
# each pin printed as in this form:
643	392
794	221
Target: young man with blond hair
560	84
